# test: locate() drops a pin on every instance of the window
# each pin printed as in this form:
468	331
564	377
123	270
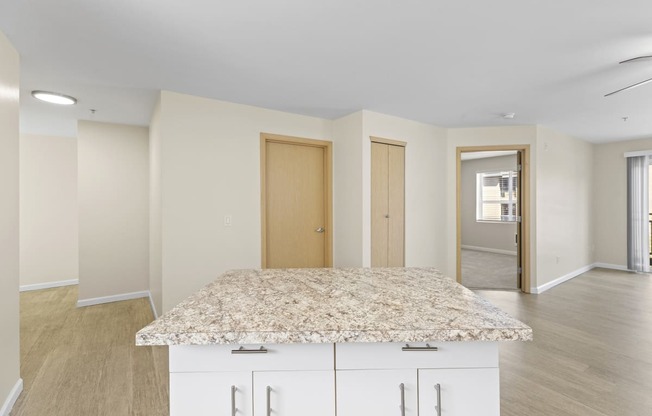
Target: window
497	196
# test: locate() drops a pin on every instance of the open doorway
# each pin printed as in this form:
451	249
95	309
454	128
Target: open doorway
492	217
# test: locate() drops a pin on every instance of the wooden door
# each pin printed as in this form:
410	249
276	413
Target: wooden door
519	219
387	205
396	225
379	204
296	192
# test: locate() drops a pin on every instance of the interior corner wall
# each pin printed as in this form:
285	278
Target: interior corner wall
210	168
9	257
487	136
48	210
564	206
425	211
113	184
155	259
610	200
491	236
347	191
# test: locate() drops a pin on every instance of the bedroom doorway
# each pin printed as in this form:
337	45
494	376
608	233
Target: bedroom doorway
492	217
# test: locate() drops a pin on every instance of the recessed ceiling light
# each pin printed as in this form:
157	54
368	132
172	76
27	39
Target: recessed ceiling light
54	98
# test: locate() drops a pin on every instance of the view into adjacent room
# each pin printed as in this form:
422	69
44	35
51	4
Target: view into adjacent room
489	213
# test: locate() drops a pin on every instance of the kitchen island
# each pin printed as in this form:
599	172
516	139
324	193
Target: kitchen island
396	341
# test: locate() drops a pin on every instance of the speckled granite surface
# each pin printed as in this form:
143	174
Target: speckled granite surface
332	306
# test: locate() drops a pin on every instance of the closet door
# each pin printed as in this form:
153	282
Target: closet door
396	226
387	205
379	204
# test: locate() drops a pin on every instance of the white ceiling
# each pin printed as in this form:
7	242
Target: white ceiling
448	63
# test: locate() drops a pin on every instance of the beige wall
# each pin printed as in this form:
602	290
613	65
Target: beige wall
610	199
9	323
487	136
487	235
113	209
564	205
48	210
425	214
347	191
210	167
155	259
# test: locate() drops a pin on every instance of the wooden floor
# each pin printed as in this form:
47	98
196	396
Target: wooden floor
83	361
592	353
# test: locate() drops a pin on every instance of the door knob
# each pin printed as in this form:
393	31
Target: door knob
320	230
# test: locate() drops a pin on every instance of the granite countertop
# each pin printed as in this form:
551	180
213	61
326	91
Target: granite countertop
332	306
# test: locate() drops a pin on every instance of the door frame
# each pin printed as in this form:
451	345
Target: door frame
525	206
328	189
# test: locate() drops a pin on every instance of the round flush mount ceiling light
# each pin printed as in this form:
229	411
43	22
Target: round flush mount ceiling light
54	98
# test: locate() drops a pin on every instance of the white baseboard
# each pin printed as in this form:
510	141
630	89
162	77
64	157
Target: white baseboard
562	279
39	286
611	266
489	250
151	303
11	398
112	298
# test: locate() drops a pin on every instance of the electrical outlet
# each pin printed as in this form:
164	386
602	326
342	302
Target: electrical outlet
227	221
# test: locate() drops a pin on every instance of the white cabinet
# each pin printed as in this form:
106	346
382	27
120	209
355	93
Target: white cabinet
294	393
377	392
210	394
291	393
223	380
356	379
392	379
459	392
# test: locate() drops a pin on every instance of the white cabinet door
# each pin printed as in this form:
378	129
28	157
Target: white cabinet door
210	394
462	392
294	393
377	392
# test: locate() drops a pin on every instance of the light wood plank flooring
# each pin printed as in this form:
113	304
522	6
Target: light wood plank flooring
592	349
483	270
592	353
83	361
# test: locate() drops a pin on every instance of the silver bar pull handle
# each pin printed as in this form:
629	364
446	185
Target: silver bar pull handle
243	350
269	401
402	387
233	408
438	407
426	348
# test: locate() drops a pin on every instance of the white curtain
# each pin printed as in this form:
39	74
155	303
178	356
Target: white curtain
638	239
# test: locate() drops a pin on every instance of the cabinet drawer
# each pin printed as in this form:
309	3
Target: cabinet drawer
203	358
388	355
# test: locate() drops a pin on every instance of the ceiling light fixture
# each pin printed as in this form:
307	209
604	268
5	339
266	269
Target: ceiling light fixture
509	116
638	84
54	98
